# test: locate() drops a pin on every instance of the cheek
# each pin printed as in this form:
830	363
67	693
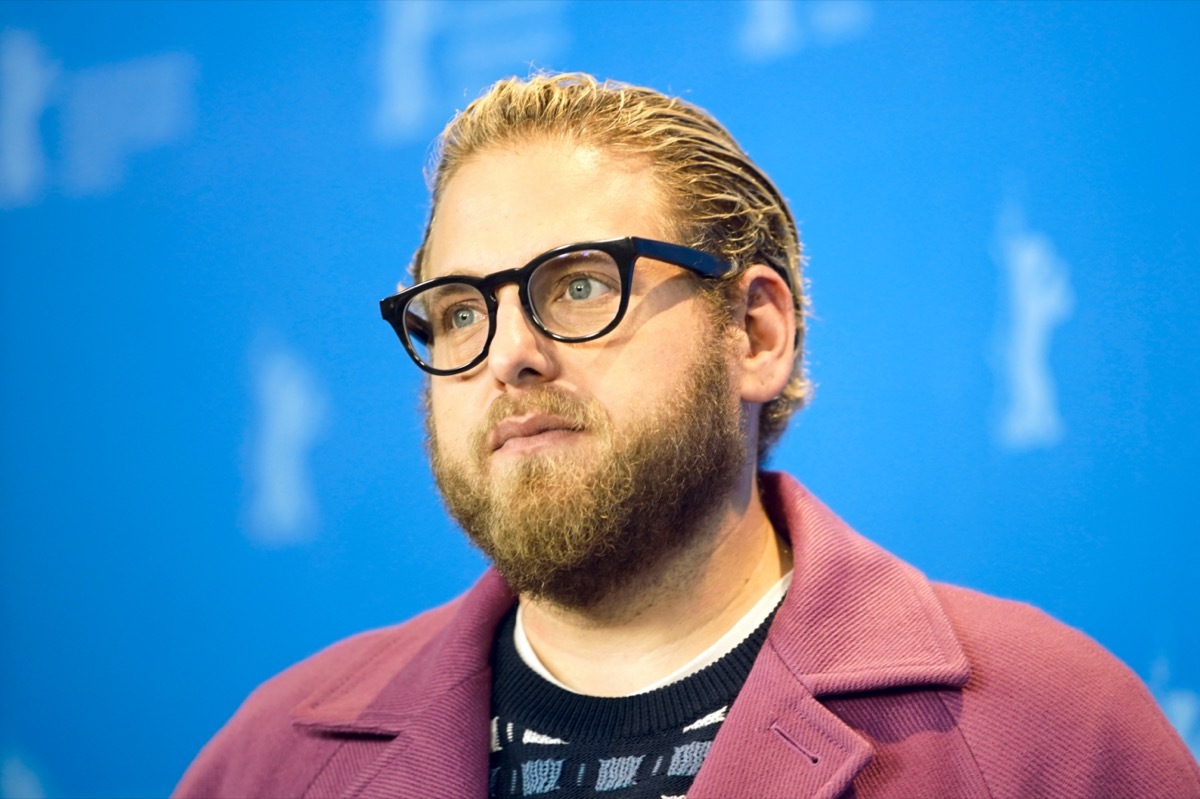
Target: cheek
662	354
664	368
449	417
640	383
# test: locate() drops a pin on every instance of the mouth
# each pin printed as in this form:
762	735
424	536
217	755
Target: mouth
521	434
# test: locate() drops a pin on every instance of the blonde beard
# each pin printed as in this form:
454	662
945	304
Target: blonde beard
576	529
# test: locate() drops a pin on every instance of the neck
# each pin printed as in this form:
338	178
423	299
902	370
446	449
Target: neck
654	628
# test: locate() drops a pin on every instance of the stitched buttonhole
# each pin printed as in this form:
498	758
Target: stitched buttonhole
792	742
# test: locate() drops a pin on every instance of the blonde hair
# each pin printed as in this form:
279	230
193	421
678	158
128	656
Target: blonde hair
719	201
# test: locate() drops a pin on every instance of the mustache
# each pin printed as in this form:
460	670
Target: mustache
549	400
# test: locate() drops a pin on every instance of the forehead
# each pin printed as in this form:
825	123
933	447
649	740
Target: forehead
505	206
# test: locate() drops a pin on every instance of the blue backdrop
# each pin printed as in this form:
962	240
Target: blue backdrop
210	453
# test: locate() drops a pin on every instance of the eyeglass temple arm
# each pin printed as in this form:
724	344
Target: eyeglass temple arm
697	261
706	264
417	327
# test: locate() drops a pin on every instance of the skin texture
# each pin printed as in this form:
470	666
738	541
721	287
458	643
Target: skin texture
501	209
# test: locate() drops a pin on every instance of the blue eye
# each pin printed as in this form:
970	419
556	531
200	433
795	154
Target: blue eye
580	288
463	317
585	288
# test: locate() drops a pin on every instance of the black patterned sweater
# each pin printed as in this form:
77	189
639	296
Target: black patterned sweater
547	740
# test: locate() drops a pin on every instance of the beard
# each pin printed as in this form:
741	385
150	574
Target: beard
577	528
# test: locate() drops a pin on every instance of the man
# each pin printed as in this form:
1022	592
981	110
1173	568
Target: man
608	302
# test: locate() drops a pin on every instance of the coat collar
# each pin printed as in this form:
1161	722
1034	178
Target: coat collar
855	619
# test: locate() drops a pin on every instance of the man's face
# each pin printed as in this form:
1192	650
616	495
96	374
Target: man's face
578	467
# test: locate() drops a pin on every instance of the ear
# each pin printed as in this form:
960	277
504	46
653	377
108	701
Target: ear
767	320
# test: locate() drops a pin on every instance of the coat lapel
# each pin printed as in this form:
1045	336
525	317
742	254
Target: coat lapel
434	703
855	619
779	741
443	750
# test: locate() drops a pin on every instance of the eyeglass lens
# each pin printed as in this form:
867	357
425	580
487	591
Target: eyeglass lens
574	295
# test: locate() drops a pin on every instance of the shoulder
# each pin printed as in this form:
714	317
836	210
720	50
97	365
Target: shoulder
1083	723
1017	637
261	750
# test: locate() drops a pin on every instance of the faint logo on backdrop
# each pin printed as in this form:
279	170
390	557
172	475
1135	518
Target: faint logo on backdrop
106	114
18	780
433	53
777	28
290	414
1180	705
1037	299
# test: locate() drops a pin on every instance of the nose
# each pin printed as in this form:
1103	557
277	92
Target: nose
518	354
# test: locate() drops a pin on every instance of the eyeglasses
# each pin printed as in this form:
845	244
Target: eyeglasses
574	293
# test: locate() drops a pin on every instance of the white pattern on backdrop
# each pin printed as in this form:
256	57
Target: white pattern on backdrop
107	114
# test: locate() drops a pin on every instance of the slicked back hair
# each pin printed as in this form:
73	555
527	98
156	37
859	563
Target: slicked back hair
718	200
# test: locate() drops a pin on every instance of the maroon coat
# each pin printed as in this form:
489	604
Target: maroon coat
873	682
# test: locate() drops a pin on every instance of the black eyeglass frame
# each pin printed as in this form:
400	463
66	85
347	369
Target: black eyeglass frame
624	252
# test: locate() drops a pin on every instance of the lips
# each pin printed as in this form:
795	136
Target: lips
515	428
